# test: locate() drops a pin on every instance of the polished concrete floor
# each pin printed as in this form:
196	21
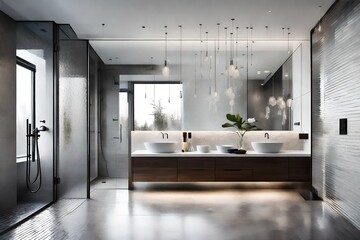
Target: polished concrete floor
189	213
109	183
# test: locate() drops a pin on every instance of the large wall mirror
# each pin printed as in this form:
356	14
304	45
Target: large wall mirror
264	82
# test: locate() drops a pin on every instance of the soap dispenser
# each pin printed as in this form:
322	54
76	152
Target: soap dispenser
190	146
184	143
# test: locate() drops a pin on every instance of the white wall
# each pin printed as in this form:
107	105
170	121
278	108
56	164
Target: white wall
302	91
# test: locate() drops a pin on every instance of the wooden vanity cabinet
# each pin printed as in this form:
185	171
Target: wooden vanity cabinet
220	169
196	169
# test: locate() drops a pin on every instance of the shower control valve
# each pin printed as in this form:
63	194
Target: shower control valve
42	128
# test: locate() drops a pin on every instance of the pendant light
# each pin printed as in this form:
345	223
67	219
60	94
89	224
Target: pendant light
206	47
180	93
210	72
153	76
165	69
226	59
247	53
231	65
288	40
201	53
251	46
195	93
215	72
217	51
218	40
236	71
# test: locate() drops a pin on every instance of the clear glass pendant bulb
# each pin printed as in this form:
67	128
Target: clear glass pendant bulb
165	70
236	73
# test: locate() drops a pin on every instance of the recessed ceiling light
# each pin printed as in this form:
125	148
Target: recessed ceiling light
258	72
262	84
266	71
269	11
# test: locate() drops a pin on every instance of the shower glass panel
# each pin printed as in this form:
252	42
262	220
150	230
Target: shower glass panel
35	101
123	133
73	119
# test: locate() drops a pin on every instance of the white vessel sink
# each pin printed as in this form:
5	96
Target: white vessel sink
267	146
161	146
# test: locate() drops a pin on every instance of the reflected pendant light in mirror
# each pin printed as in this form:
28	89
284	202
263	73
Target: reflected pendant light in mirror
195	93
236	71
180	85
231	64
165	69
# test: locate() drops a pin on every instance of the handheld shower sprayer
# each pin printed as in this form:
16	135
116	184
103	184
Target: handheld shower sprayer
33	155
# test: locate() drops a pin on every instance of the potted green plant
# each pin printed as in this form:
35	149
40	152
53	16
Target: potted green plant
241	126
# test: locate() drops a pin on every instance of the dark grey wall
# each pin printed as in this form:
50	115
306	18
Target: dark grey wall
335	95
7	112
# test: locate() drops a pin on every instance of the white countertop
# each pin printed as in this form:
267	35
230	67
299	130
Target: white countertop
214	153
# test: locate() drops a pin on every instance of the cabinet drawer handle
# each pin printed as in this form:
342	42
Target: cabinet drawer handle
198	169
234	170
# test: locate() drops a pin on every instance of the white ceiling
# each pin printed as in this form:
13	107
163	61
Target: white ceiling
124	20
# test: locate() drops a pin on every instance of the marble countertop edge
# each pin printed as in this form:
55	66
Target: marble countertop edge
214	153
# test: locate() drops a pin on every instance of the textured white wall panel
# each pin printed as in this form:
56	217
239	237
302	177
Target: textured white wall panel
335	95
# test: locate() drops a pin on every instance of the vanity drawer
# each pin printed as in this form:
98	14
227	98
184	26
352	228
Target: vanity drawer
154	174
234	174
270	169
196	163
196	175
156	162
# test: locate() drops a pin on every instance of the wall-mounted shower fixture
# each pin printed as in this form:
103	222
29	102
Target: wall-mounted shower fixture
33	155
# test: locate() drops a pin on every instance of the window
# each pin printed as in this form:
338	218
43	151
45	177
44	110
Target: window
157	106
25	102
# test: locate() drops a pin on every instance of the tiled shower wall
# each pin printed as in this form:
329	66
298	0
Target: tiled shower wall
335	95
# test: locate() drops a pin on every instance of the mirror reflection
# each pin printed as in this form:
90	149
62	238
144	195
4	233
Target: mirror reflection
204	80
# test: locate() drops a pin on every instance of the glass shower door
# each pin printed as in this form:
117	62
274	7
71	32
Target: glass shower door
123	138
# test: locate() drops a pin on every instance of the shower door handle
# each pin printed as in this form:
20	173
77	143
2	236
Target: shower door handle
120	133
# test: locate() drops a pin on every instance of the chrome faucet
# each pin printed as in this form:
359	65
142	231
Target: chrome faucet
164	134
267	135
